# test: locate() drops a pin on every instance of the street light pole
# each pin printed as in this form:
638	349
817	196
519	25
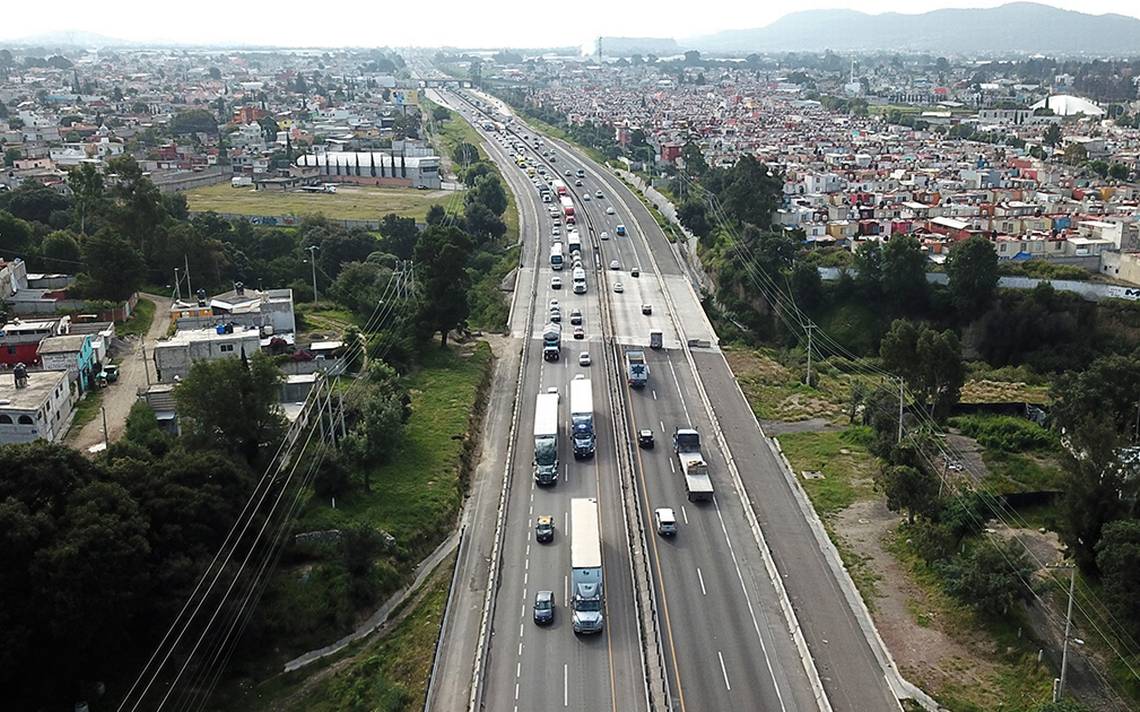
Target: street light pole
1059	690
313	261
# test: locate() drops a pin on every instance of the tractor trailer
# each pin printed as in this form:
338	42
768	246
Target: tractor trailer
586	595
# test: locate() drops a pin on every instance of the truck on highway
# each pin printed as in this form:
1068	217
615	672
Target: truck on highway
586	592
637	370
560	187
687	446
551	342
582	417
546	438
573	242
557	259
567	208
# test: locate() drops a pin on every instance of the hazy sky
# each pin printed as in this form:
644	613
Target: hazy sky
461	23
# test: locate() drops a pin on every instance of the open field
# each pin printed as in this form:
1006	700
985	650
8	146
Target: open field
350	202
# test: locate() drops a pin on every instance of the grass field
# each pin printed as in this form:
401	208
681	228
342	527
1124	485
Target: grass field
348	203
86	410
140	320
843	459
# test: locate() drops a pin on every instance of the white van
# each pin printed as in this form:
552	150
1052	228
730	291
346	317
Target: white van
665	521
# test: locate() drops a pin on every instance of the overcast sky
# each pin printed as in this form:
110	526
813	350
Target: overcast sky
459	23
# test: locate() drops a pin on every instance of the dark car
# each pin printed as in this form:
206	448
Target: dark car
544	607
645	438
544	529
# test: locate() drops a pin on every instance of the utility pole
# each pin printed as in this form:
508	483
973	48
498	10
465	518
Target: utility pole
809	328
1059	688
313	261
106	435
177	285
189	289
900	409
146	368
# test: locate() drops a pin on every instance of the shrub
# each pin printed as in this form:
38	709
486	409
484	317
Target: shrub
1006	433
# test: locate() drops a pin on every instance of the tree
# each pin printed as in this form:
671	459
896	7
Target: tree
694	216
398	235
475	172
138	203
465	154
1096	490
489	192
908	488
112	267
869	269
193	121
1118	559
1096	408
441	259
972	268
12	155
930	362
694	157
439	113
1052	135
89	200
215	73
904	273
249	423
807	286
15	234
34	202
483	224
1076	154
60	251
1099	167
435	215
990	576
1118	171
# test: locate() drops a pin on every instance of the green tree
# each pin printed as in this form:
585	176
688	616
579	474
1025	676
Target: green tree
435	215
1099	167
483	224
12	155
475	172
441	260
398	235
990	576
1118	171
250	422
15	234
60	251
904	273
112	268
488	192
89	199
869	269
138	203
908	489
1052	135
34	202
1076	154
465	154
973	272
194	121
930	362
807	286
1096	490
694	157
694	216
1118	559
1096	408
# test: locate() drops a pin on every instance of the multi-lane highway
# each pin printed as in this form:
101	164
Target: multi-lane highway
724	639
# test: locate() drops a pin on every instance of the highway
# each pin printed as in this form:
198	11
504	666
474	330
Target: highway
546	668
851	675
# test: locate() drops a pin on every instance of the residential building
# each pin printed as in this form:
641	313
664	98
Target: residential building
173	357
38	408
72	353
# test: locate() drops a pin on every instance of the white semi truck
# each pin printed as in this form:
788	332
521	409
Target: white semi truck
587	604
582	417
687	445
546	438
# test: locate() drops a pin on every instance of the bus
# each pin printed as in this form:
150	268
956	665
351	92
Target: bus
556	259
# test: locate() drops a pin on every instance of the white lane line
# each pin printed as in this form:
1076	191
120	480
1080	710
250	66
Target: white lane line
520	648
518	669
565	589
724	672
654	394
662	424
684	514
516	692
672	469
528	549
520	630
702	580
565	685
751	611
526	575
522	610
566	473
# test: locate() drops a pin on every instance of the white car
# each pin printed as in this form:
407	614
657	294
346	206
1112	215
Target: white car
614	264
584	358
609	210
599	195
556	282
618	287
605	236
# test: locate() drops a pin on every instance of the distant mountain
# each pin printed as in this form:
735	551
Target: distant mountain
1020	27
69	38
628	46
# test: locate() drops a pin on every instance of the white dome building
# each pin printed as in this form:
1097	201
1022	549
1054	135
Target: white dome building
1069	105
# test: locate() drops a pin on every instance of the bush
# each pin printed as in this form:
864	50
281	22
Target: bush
1006	433
989	576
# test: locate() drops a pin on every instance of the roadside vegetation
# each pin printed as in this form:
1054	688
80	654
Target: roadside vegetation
350	202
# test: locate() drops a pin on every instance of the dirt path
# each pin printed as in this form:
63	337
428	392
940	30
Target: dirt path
119	397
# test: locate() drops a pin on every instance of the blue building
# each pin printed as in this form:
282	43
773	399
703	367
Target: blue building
72	353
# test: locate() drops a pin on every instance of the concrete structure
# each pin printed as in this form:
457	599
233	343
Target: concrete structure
1069	105
375	168
40	409
270	310
72	353
20	339
174	357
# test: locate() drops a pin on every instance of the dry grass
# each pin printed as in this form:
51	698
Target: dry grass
350	202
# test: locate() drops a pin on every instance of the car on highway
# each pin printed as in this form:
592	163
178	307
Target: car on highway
599	195
645	438
619	287
620	230
556	282
646	309
575	316
569	172
665	521
635	272
556	315
555	230
585	197
544	529
614	264
544	607
584	358
610	211
578	183
579	332
605	236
